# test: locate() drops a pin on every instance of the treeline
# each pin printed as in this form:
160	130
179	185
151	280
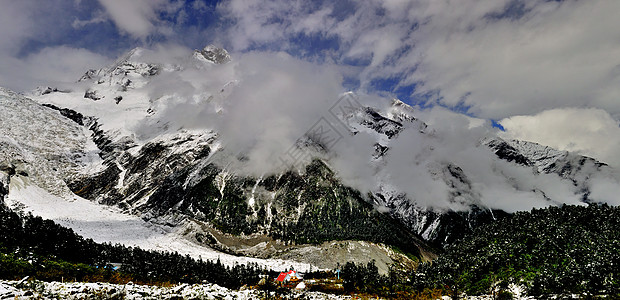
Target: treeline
365	280
553	251
31	246
556	250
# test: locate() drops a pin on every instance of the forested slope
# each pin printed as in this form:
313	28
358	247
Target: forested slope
556	250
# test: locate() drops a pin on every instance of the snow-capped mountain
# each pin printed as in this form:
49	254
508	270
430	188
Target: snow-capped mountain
149	135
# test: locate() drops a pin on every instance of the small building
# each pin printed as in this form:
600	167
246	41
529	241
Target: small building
290	276
110	266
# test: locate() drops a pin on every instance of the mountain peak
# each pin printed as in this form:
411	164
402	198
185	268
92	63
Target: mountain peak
132	56
213	54
126	72
402	112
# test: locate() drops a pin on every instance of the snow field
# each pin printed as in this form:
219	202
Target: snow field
108	224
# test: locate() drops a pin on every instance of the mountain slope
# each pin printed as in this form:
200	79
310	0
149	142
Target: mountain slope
39	142
171	170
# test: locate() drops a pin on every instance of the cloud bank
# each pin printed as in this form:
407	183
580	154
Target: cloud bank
260	103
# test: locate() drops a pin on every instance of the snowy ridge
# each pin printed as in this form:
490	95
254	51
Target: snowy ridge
126	73
403	113
584	173
542	157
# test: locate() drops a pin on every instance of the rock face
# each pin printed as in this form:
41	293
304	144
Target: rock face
4	185
7	170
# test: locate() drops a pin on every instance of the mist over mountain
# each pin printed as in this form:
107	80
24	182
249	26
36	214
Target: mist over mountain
262	104
264	144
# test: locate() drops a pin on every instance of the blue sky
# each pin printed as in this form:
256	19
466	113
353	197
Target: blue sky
528	65
84	24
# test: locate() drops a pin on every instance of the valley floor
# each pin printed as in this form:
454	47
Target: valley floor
10	290
58	290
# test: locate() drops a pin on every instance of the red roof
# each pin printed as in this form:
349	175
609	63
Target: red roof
286	276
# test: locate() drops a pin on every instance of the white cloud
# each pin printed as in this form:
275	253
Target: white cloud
251	21
278	98
498	59
15	24
53	66
22	21
99	17
556	55
416	165
137	17
63	64
589	131
606	190
501	58
271	100
199	5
